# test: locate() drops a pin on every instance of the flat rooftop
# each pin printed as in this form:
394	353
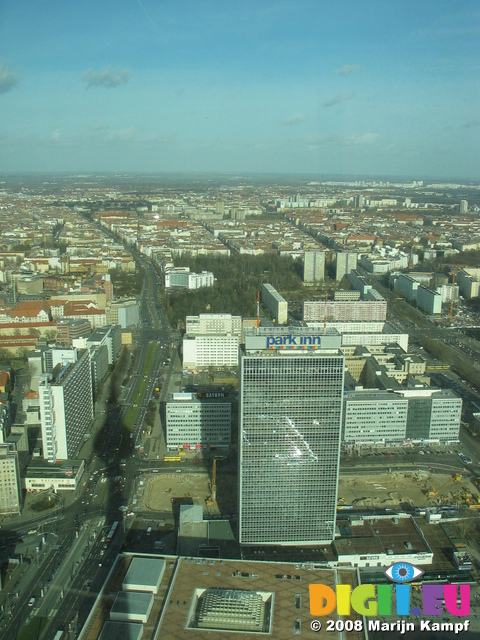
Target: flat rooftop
144	574
217	593
41	469
121	631
398	535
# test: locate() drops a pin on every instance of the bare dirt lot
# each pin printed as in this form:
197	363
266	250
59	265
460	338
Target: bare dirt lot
389	490
163	488
416	489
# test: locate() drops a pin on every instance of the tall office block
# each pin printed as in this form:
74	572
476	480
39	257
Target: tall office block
346	263
10	487
463	206
314	266
66	408
290	415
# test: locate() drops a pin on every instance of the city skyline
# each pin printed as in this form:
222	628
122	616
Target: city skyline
354	89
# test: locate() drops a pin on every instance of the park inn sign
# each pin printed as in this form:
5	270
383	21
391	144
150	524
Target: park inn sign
291	339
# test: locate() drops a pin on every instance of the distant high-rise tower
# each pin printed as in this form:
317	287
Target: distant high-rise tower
359	202
346	263
463	206
290	414
314	266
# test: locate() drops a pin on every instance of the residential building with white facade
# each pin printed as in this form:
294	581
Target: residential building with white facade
66	407
210	351
313	265
345	311
10	487
275	303
183	278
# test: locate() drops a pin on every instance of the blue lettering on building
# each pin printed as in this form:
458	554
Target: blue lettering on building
293	342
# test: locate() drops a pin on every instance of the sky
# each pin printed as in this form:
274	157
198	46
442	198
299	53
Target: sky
351	87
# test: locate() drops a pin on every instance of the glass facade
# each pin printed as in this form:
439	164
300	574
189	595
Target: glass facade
418	420
289	445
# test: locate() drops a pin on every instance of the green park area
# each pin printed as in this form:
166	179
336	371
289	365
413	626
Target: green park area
137	400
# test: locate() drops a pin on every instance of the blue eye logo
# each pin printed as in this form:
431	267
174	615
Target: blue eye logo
403	572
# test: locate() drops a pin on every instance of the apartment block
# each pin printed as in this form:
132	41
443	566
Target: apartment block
275	303
66	407
10	487
345	311
314	266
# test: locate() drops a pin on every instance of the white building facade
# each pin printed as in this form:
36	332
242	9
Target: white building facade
10	487
195	422
66	408
210	351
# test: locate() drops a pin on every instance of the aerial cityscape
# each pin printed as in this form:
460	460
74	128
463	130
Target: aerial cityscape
239	320
218	390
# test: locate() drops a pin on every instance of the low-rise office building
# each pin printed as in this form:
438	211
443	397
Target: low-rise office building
196	420
210	351
213	324
41	476
373	417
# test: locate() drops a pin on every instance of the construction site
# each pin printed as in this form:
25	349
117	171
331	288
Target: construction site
216	490
408	489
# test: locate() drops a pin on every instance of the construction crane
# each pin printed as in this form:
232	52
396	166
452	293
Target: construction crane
213	495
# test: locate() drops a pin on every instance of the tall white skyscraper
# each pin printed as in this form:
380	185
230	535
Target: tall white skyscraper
10	487
290	415
66	407
346	263
314	266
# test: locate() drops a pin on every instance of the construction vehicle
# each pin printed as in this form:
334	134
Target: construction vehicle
431	492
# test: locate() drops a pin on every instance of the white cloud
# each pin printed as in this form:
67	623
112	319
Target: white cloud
360	139
340	97
106	78
351	140
8	79
347	69
295	119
